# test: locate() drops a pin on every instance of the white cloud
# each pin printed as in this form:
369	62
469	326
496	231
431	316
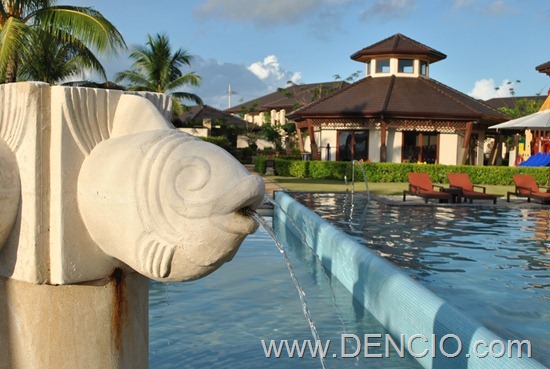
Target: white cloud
486	89
259	12
269	70
489	7
497	8
390	9
270	13
247	82
462	3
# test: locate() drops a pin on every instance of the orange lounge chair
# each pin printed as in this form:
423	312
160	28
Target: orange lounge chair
467	189
527	187
421	185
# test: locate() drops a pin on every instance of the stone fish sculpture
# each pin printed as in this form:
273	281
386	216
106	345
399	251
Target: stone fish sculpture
165	203
98	191
95	180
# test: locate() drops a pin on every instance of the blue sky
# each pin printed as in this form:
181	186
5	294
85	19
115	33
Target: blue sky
257	46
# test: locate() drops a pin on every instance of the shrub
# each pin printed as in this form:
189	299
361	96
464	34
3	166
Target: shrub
397	172
221	141
259	164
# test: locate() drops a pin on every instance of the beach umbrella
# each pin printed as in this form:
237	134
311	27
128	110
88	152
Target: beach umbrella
536	121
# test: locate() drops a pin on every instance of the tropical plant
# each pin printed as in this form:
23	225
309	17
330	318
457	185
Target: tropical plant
157	69
53	61
272	133
23	20
522	107
250	126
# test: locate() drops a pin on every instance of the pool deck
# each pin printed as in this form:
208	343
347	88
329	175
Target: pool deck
271	187
520	203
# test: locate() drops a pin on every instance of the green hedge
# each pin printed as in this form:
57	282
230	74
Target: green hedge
397	172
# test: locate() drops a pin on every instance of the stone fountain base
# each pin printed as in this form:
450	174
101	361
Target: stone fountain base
46	326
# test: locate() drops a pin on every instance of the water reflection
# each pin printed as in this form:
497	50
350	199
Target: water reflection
219	321
492	262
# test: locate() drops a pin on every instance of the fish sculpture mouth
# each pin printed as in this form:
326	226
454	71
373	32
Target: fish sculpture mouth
232	212
230	220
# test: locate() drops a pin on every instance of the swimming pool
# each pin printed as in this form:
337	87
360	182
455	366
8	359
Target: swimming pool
219	321
491	262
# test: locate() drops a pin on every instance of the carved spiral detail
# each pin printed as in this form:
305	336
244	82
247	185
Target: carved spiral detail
166	176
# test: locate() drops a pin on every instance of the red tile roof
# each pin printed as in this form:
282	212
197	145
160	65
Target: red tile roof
510	102
544	68
289	98
399	97
398	44
196	114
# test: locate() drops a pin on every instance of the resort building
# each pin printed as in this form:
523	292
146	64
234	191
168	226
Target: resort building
272	108
199	120
397	113
206	121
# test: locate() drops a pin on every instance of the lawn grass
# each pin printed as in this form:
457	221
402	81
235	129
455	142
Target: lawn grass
388	189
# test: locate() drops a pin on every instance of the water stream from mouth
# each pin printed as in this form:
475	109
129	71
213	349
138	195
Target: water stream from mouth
353	162
269	200
301	294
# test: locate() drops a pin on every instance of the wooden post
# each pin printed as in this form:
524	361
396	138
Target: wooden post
300	139
496	151
383	146
466	143
314	148
420	139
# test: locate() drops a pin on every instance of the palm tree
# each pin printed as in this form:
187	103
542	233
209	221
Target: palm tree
20	19
53	61
157	69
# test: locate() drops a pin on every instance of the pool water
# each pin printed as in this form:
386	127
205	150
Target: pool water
491	262
220	320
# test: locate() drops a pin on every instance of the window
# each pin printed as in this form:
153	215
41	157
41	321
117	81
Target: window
419	147
383	66
405	66
424	68
353	145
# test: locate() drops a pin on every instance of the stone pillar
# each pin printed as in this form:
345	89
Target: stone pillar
98	193
100	324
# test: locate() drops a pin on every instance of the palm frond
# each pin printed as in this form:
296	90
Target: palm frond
13	35
83	23
134	77
54	59
188	79
187	96
156	68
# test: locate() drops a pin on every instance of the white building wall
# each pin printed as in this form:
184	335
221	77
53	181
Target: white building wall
256	118
394	146
480	155
459	151
449	145
281	117
243	142
199	132
328	137
374	145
